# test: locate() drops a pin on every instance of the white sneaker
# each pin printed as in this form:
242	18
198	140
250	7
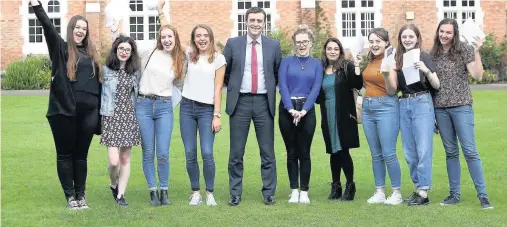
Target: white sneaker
210	199
303	197
195	199
394	199
294	196
378	197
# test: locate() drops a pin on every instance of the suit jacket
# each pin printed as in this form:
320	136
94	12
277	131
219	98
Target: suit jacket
235	54
345	108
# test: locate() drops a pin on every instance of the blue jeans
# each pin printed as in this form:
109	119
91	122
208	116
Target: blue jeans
155	117
417	124
198	116
381	125
459	121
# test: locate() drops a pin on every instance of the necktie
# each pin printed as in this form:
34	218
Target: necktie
254	67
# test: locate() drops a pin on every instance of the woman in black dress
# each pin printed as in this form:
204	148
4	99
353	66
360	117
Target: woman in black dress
120	129
74	101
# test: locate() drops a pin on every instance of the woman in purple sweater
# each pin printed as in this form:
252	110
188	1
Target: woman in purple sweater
300	78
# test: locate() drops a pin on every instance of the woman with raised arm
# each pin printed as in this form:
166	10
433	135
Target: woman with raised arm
200	109
454	60
338	114
120	129
300	79
417	115
74	101
381	120
162	72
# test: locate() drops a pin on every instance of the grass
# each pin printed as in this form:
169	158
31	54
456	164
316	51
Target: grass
32	196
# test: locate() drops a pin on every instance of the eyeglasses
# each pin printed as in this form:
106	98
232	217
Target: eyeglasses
303	43
124	50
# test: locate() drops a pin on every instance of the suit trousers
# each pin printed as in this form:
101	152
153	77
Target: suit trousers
252	107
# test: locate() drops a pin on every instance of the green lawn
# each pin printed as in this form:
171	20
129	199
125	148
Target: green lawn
32	196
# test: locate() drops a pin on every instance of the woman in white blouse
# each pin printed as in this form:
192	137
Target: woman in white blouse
163	66
200	109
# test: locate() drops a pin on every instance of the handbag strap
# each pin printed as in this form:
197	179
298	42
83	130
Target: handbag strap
148	61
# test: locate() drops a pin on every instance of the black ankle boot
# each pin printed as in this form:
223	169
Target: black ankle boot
154	200
336	191
163	198
350	191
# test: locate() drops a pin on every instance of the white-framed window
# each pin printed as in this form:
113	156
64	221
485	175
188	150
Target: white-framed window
356	18
239	8
460	10
32	32
143	22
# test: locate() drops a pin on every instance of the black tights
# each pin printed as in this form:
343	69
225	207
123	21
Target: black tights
72	136
342	160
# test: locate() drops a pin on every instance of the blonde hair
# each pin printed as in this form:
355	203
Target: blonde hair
302	29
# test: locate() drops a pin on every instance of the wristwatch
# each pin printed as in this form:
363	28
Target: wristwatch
217	114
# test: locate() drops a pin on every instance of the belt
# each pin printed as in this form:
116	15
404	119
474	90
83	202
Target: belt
251	94
413	95
196	102
153	97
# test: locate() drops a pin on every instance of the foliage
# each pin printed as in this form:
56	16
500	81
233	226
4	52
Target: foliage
488	77
31	73
492	55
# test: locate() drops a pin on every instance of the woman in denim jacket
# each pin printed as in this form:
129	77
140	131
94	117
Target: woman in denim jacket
119	124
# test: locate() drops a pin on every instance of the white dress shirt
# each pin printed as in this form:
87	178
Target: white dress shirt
246	84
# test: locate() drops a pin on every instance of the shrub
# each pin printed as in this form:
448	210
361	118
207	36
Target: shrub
488	77
31	73
492	55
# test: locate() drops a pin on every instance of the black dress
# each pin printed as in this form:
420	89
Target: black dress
121	129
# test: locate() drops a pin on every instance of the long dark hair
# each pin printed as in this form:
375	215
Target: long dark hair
400	49
194	55
72	49
383	35
438	49
133	64
340	62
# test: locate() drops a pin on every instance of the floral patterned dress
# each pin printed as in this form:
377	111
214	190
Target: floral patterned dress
121	129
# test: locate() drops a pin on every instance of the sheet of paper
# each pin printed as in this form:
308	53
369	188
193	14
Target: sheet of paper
411	57
358	46
176	98
469	30
411	74
388	62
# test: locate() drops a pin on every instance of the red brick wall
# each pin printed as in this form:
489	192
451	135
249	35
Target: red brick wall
10	29
495	18
186	14
393	18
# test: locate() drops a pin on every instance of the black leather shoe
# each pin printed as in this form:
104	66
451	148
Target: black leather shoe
115	192
235	200
163	198
154	200
350	192
410	197
269	200
336	191
122	202
418	200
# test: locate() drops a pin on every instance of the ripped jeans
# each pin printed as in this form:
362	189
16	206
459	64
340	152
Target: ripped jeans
155	117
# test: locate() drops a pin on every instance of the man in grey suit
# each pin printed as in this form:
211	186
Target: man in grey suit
251	78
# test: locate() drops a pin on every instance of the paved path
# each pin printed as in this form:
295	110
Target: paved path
483	87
